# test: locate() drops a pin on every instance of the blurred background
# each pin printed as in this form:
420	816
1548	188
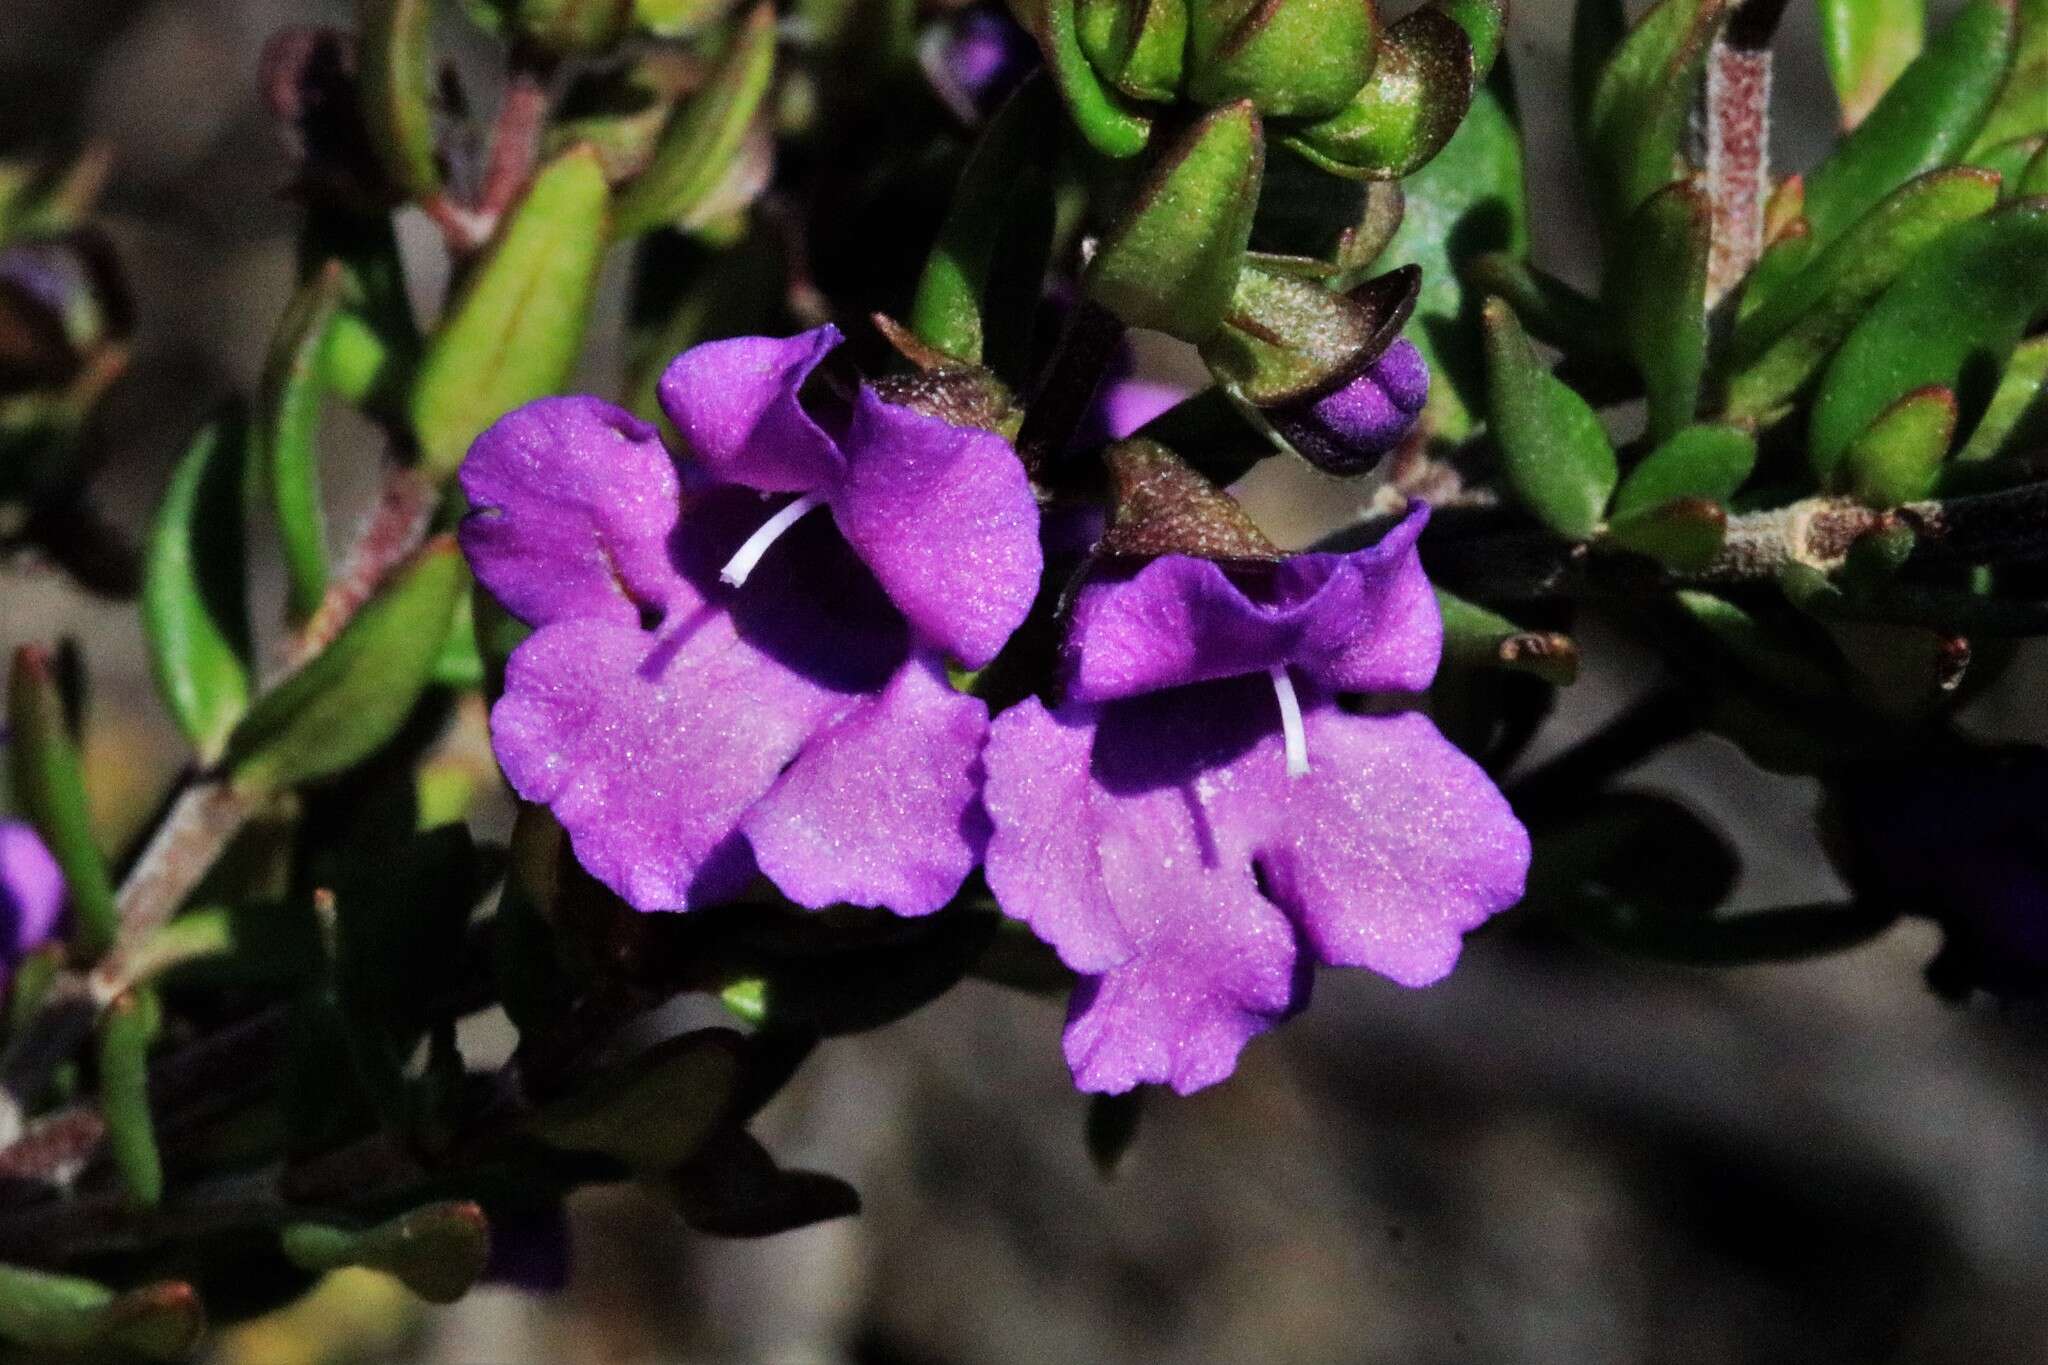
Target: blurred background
1552	1157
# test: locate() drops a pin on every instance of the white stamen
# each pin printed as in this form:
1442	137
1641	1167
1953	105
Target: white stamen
748	555
1291	730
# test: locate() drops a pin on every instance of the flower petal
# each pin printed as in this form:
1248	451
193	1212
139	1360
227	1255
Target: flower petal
1108	842
31	892
1363	621
885	807
735	402
1391	847
574	502
945	517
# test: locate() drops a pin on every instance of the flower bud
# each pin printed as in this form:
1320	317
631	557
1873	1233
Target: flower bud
1290	58
1348	430
60	301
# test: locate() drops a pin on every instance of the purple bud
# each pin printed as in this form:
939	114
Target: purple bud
1349	430
31	894
59	300
976	65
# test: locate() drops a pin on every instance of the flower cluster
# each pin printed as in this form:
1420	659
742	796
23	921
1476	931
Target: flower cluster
740	668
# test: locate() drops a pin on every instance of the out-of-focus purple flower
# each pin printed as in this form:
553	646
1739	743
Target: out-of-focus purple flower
529	1246
1352	429
976	63
31	895
1199	823
1962	839
1124	401
721	682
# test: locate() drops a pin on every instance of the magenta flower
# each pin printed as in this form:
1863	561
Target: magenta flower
1199	822
722	682
31	895
1350	429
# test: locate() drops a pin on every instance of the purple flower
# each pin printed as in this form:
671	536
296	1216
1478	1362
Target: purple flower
1349	430
1199	822
31	895
722	682
976	63
1960	839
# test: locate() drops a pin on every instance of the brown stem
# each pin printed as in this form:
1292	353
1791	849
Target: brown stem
1738	161
515	143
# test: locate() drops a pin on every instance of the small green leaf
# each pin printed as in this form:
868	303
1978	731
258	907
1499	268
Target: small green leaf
397	91
1645	95
1285	339
1764	651
49	787
1867	44
705	134
1477	638
195	609
1656	294
1172	260
1926	120
1598	28
1710	462
46	1312
1467	201
2018	415
560	28
1898	455
1291	58
675	18
1554	451
1949	320
1485	23
997	186
288	432
2009	161
655	1112
1421	86
515	331
2022	108
1685	534
127	1030
1138	45
437	1251
1783	342
352	697
1100	113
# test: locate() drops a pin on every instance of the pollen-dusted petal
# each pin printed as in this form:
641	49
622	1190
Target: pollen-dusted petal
1390	848
884	808
1116	840
31	893
736	404
1363	621
574	503
945	517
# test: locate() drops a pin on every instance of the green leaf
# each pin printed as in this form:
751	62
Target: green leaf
1468	201
1291	58
2009	162
1784	341
1100	113
1421	86
1477	638
675	18
1710	462
655	1112
127	1030
1867	44
1764	651
2018	414
1642	101
704	135
1898	455
2021	108
437	1251
1554	451
1685	534
162	1321
1138	45
1172	260
1598	27
195	609
49	788
515	331
352	697
1950	320
1656	294
288	429
1926	120
999	184
1287	338
397	91
559	28
1485	23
